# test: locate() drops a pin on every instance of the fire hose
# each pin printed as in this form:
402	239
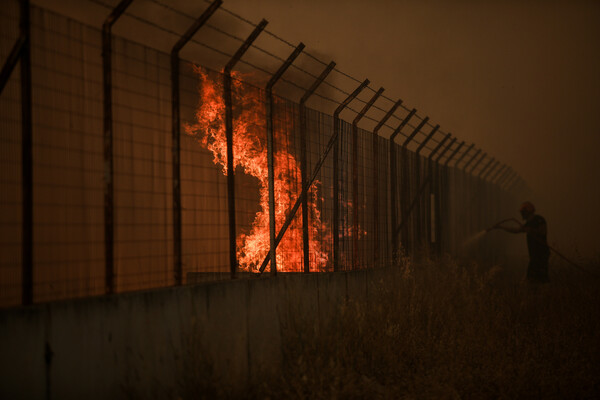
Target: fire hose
579	267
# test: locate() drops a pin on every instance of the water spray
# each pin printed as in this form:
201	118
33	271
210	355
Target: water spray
479	235
499	226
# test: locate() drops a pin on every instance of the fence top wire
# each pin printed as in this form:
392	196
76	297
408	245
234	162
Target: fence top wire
433	141
323	63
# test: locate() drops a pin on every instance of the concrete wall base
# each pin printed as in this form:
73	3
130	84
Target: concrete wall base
146	344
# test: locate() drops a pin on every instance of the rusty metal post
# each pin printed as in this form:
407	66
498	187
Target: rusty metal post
470	159
415	131
505	177
442	203
520	186
498	172
330	146
303	161
439	190
355	176
423	185
427	139
502	179
271	151
437	159
376	179
433	167
404	149
108	144
394	181
404	183
175	132
516	182
490	170
402	125
454	153
336	183
420	191
485	167
439	146
510	181
420	215
477	163
463	155
412	136
26	156
445	205
229	134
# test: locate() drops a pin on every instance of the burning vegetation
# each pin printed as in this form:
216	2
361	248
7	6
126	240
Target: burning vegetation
250	154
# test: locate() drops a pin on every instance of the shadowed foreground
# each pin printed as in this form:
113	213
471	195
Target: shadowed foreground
449	331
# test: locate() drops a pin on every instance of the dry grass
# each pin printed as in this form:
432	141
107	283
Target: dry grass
451	330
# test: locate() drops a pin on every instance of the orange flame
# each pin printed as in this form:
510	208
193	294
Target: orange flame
250	153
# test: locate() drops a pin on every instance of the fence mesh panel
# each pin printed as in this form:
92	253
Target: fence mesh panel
436	207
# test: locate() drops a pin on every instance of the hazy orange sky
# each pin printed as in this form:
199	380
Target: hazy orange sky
520	79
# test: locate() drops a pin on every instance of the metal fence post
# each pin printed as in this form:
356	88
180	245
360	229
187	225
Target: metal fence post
438	147
437	159
414	132
454	153
510	180
405	176
431	212
515	181
26	155
229	133
419	212
463	155
440	190
505	177
489	164
470	159
394	182
336	183
270	151
309	182
493	169
420	189
427	139
516	184
355	176
303	162
175	130
498	172
376	179
477	163
108	143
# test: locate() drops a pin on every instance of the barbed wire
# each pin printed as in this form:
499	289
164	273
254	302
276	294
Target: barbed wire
432	142
356	80
306	53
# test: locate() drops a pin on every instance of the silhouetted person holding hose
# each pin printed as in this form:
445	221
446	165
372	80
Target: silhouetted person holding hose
539	252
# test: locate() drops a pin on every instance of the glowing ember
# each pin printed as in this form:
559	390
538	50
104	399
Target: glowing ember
250	153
